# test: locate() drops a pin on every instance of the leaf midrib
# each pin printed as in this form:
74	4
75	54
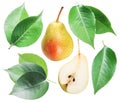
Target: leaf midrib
25	31
83	24
104	52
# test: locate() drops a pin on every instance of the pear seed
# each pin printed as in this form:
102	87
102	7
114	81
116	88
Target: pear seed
69	76
73	79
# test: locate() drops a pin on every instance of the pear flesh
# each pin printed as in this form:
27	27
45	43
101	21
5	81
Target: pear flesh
73	76
57	43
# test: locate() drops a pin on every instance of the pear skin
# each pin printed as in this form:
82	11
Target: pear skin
57	43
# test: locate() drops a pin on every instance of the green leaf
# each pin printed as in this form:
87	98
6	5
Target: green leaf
13	19
27	31
103	68
82	23
103	24
30	86
19	70
29	57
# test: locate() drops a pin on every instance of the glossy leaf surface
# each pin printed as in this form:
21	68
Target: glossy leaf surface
13	19
30	86
27	31
103	24
17	71
82	23
103	68
29	57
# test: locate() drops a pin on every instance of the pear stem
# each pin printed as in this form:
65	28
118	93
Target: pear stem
59	14
78	46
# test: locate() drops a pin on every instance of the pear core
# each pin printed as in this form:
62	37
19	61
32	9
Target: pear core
73	76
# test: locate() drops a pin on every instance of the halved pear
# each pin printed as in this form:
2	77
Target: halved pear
73	76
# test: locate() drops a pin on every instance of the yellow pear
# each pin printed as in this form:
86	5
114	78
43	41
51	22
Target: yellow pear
57	43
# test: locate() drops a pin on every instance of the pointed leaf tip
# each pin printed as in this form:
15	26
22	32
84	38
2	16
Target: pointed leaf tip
40	14
23	4
103	24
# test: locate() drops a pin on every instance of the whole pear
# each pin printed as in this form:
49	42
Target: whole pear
57	43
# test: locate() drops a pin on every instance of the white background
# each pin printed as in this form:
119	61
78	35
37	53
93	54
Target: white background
8	58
